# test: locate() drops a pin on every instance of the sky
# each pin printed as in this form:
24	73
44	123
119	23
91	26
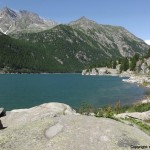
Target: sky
134	15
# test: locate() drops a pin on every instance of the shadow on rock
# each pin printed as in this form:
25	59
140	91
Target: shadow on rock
1	126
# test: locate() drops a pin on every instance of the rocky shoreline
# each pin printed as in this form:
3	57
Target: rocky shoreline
101	71
139	79
104	71
57	126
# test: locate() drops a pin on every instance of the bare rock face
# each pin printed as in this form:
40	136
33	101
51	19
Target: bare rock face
22	21
110	36
118	68
143	67
101	71
56	126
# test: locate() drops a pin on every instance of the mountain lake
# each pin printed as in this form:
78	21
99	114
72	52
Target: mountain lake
28	90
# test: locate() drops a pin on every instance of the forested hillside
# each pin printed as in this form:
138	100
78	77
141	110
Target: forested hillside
62	48
21	56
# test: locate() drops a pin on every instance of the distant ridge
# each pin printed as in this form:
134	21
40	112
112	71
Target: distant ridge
22	21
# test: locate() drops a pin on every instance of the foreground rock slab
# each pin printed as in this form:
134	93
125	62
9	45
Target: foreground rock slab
61	128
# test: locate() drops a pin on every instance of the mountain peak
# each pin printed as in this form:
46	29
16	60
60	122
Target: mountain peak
83	18
12	21
82	21
5	11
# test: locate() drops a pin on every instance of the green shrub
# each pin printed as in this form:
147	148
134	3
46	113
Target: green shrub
99	112
134	108
106	112
143	126
85	108
109	111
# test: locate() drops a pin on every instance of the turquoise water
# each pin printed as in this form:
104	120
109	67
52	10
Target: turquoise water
27	90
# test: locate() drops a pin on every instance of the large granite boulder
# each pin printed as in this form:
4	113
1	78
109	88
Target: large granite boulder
57	127
23	116
118	68
136	115
138	66
144	68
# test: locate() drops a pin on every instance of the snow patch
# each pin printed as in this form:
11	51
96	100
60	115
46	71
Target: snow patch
147	42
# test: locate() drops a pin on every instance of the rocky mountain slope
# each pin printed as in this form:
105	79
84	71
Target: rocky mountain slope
70	46
56	126
63	48
111	37
110	41
23	21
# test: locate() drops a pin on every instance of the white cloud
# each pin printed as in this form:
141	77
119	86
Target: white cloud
147	41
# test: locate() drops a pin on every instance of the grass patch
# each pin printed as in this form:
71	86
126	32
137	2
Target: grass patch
147	121
140	124
145	83
109	111
136	108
